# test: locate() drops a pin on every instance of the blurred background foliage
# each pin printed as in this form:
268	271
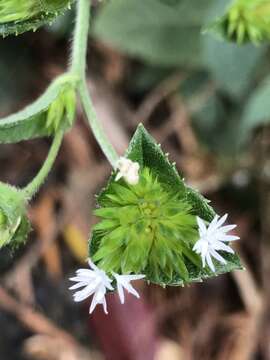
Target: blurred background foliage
168	35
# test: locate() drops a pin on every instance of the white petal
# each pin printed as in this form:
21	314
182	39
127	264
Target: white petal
85	272
223	247
104	303
83	294
204	248
131	290
227	228
100	293
198	246
228	237
132	179
92	265
93	305
201	225
98	298
222	220
121	293
210	262
213	224
123	282
218	257
132	277
80	278
78	285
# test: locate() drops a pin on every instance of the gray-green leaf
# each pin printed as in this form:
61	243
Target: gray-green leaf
257	111
152	30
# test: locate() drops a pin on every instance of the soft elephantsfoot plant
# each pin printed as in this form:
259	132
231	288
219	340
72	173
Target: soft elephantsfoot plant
152	225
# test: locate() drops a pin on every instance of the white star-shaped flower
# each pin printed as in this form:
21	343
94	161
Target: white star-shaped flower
213	239
127	169
123	282
95	282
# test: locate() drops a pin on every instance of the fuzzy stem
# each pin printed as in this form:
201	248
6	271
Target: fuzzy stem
98	132
78	67
30	190
80	38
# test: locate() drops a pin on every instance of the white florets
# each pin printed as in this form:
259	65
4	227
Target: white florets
96	283
212	240
127	169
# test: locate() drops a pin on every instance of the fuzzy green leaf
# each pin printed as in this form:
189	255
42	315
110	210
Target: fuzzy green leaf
19	16
32	121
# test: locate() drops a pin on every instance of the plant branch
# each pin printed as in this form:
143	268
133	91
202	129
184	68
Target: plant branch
78	68
80	38
39	179
98	132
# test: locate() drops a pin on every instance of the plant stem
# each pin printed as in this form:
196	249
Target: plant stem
80	38
39	179
78	67
98	132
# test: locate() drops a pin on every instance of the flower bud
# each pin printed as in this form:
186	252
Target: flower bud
14	225
129	170
62	110
245	21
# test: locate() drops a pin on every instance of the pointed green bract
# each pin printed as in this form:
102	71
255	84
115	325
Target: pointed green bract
150	228
14	225
39	119
18	16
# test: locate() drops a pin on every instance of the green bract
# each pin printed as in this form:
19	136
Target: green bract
43	117
245	21
150	228
14	225
17	16
62	109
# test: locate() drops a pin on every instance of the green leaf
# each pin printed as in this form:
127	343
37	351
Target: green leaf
153	31
17	16
256	112
144	150
231	66
31	122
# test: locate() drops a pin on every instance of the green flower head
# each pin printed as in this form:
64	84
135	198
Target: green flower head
149	221
146	229
245	21
14	225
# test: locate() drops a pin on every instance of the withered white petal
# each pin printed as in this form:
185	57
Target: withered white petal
127	169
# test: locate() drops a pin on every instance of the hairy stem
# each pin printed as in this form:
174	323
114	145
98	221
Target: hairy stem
80	38
78	67
39	179
98	132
